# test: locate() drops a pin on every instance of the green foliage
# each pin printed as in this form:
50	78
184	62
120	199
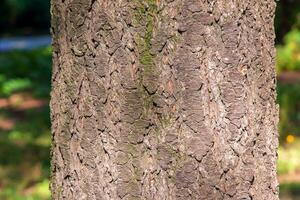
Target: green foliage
289	191
25	148
287	17
289	101
30	70
17	5
41	192
289	160
13	85
28	146
288	55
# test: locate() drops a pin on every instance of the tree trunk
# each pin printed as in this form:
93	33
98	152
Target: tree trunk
163	100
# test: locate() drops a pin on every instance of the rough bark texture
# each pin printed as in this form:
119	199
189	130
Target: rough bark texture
163	100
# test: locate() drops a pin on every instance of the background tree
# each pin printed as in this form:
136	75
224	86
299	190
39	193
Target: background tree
164	99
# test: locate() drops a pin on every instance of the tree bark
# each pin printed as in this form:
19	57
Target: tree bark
163	99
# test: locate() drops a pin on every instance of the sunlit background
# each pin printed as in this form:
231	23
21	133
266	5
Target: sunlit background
25	71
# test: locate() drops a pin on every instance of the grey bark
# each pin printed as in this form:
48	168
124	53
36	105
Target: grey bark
163	99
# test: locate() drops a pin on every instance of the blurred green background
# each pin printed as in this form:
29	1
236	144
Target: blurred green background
24	98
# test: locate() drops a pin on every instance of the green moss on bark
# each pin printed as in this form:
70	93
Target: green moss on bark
144	17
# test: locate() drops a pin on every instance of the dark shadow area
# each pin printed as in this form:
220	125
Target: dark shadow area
24	17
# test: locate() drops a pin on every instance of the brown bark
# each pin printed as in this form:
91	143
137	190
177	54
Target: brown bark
163	99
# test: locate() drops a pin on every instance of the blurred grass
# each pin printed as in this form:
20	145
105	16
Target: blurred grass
25	144
289	101
288	54
290	191
289	158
